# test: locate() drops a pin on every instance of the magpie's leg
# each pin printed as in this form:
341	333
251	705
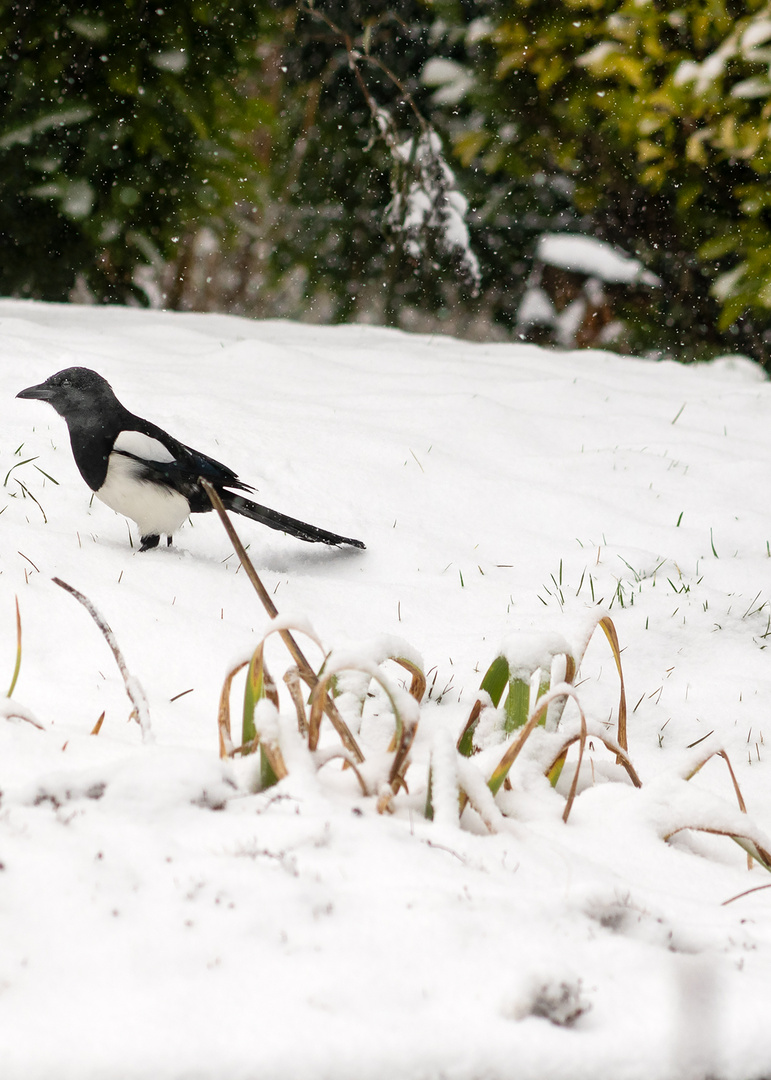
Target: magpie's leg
168	541
149	542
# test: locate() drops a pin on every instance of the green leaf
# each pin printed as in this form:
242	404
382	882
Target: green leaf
517	704
495	679
253	691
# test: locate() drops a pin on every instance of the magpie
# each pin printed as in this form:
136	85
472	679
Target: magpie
142	472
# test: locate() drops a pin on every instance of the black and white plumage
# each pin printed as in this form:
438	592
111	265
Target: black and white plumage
144	473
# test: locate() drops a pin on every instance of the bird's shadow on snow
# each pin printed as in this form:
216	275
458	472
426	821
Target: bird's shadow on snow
273	560
281	562
296	555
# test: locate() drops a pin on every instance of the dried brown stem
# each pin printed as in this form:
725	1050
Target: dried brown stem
306	671
135	692
292	680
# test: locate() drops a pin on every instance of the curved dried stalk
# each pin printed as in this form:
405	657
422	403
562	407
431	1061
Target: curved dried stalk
292	680
514	749
320	689
495	681
501	771
259	685
306	671
621	758
574	662
14	711
752	847
418	684
574	783
737	789
475	792
348	759
610	633
401	755
404	733
320	701
724	755
223	715
273	766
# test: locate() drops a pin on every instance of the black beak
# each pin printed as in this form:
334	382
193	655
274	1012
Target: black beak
39	393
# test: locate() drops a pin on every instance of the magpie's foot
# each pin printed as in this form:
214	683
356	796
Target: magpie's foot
149	542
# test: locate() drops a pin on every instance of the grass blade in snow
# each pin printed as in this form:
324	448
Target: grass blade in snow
17	666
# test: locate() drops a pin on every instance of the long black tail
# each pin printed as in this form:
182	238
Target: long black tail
274	520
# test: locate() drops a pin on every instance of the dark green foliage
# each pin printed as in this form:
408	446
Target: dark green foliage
274	174
122	126
350	93
657	116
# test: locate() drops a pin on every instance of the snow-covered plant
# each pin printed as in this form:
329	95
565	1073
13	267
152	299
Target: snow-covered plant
427	211
261	730
525	689
525	669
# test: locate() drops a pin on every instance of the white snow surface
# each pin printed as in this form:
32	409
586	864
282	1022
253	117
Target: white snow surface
163	918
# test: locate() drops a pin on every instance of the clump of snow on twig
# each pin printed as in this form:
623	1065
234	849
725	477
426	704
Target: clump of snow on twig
430	204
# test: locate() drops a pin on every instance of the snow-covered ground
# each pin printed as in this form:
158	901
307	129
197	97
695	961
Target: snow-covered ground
161	919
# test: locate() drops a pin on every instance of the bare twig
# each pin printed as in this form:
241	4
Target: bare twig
140	711
357	56
758	888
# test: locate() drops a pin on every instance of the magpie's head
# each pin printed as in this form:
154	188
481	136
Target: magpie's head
72	392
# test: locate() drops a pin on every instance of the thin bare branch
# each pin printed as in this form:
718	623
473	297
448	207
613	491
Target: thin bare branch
140	711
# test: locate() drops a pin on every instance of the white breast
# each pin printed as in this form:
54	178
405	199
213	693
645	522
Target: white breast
157	510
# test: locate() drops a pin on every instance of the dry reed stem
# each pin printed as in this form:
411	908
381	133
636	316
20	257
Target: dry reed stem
223	716
306	671
621	758
292	680
513	751
737	789
610	633
752	847
574	783
275	759
346	757
400	762
724	756
418	684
